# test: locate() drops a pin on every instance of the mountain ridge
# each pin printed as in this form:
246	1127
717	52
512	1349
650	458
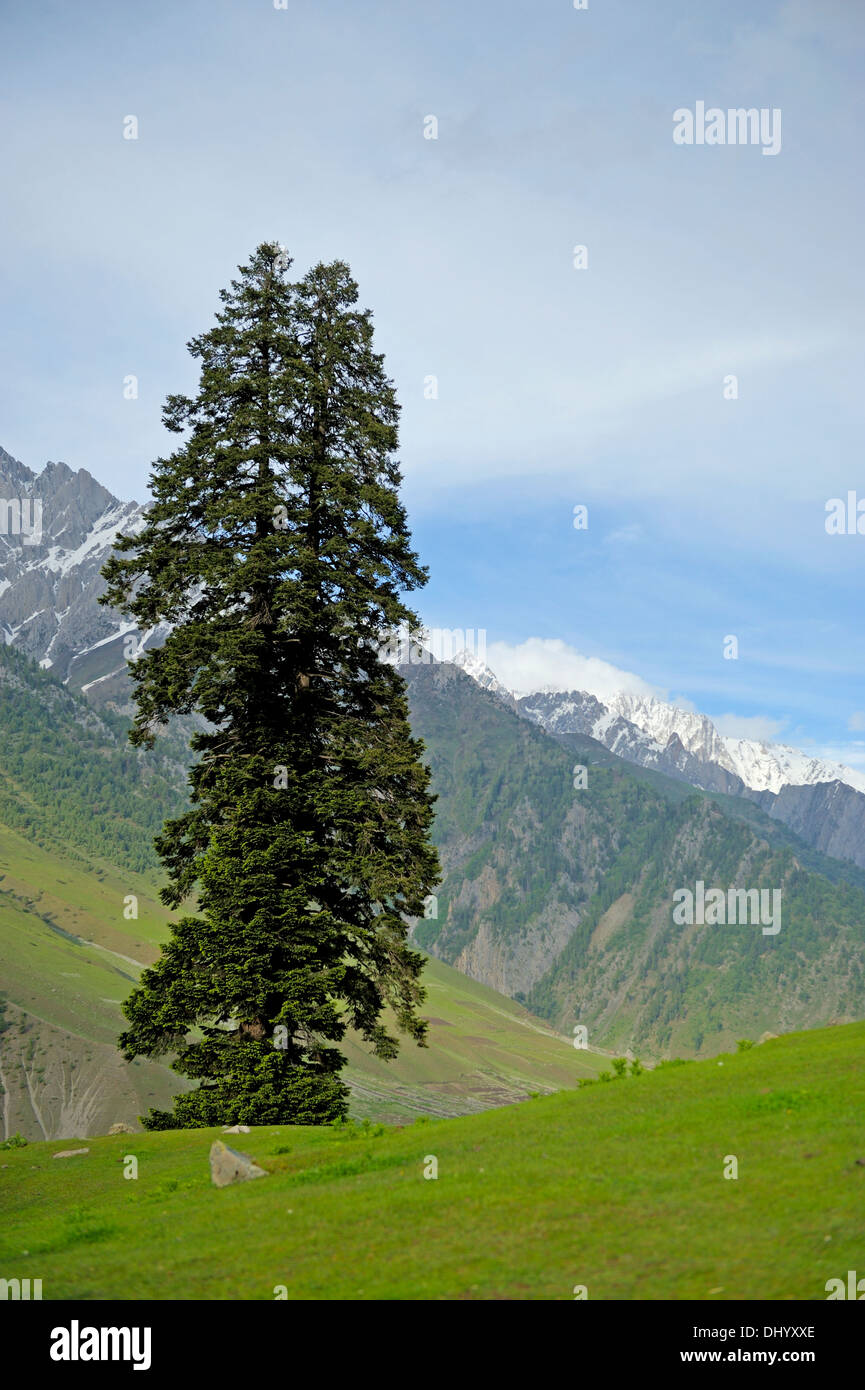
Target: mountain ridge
560	892
830	820
49	589
758	765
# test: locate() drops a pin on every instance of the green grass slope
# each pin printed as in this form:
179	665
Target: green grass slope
484	1050
68	960
617	1187
70	957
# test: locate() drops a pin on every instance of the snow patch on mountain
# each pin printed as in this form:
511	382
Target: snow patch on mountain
642	729
761	766
475	667
49	591
771	766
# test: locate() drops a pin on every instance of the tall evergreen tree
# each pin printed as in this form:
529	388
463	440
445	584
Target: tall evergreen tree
277	550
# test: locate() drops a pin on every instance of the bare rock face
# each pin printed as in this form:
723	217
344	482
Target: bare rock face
228	1166
828	815
58	528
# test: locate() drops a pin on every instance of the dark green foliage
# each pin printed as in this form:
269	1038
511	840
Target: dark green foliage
620	1071
257	1085
15	1141
277	549
68	775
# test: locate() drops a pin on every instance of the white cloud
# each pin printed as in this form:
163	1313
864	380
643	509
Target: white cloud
548	663
625	535
752	726
848	754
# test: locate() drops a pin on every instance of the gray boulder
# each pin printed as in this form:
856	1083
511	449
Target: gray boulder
228	1166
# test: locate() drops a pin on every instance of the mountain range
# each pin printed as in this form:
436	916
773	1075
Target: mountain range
657	734
557	894
49	609
49	590
560	893
823	802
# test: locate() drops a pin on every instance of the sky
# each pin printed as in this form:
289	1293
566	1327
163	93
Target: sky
603	385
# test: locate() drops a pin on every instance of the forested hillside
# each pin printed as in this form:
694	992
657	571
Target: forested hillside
80	916
558	896
563	896
68	775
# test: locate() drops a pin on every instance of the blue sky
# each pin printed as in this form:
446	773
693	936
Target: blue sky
556	386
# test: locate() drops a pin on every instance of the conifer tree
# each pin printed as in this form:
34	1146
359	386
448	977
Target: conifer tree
275	554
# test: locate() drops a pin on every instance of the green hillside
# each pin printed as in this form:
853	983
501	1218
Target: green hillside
78	811
484	1050
69	779
557	898
70	957
616	1187
563	897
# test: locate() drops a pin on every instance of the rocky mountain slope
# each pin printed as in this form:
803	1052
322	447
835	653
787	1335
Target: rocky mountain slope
49	586
563	895
760	766
824	803
674	740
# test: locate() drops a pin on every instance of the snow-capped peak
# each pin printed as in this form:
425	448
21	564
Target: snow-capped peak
641	727
761	766
479	671
661	722
771	766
